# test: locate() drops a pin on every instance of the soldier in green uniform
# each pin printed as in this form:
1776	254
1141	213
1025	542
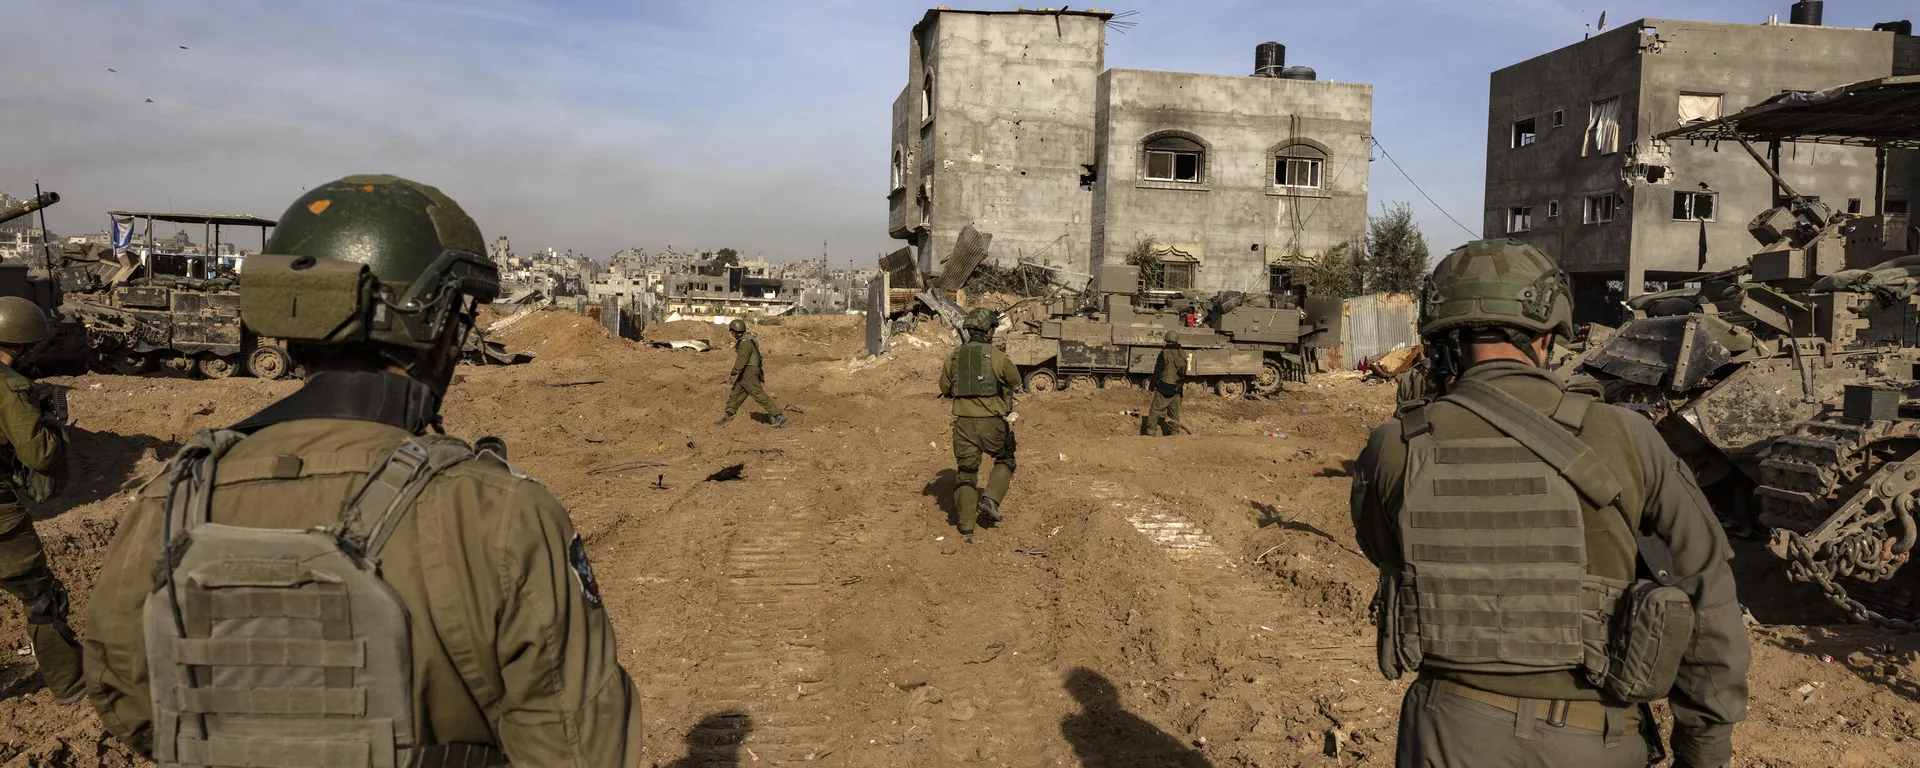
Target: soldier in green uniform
1168	385
1548	566
748	377
325	583
34	441
980	379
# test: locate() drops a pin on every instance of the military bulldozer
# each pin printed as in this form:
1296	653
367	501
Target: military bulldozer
146	307
65	350
1110	337
1791	384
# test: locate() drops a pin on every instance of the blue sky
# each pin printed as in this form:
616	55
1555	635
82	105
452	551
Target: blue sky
596	124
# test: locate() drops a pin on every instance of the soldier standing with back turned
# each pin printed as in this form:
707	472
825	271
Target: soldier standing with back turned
1169	384
327	584
748	376
980	379
33	441
1548	566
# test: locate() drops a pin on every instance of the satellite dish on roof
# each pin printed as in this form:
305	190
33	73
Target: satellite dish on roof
1602	26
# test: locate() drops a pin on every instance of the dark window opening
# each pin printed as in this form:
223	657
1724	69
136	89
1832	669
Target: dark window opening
1897	207
1177	275
1519	219
1694	206
1523	133
1853	205
1559	117
1088	175
1172	158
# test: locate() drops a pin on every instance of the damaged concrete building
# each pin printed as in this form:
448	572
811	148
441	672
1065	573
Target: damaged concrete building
1010	122
1572	167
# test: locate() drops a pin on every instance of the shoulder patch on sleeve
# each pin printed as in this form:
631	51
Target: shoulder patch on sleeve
583	571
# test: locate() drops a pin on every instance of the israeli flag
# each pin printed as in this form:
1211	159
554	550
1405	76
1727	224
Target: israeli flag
122	233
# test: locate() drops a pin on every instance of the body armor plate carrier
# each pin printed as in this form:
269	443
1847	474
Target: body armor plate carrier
285	648
973	371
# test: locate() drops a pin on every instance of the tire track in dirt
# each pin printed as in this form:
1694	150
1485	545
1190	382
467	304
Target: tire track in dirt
774	666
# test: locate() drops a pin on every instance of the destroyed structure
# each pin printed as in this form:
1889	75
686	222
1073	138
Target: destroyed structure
1572	165
1009	121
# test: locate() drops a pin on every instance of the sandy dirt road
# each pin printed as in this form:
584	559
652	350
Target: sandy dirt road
1186	601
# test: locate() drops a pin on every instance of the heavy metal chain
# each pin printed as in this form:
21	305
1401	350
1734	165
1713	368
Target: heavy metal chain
1852	554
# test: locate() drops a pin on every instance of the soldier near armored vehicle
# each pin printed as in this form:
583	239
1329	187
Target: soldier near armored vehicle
35	448
1168	385
980	380
1548	566
748	377
325	583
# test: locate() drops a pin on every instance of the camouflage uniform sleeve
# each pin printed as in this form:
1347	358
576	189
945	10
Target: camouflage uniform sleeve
741	350
946	377
1710	694
39	444
1376	494
1004	368
566	700
115	646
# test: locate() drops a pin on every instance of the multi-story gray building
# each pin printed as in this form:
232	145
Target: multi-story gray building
1572	167
1009	123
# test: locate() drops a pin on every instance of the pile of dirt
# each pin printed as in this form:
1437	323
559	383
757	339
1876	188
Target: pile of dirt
1193	600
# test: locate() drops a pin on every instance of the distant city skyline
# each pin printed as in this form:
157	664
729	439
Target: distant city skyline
598	125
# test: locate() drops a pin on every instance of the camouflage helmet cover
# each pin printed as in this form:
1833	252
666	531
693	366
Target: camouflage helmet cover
737	325
22	322
1500	282
980	319
368	259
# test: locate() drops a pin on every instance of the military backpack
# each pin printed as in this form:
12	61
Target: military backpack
973	371
285	648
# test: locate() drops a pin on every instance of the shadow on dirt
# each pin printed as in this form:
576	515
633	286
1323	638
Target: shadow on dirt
716	741
940	489
1105	735
1269	515
1766	591
99	466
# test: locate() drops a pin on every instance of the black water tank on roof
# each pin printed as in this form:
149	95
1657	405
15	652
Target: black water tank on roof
1805	12
1268	59
1298	73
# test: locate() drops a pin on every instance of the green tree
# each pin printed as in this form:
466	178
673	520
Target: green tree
1396	257
1153	274
1334	273
726	257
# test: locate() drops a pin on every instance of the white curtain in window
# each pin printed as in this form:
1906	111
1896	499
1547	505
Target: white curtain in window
1603	127
1695	107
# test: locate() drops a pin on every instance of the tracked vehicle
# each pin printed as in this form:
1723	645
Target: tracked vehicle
1791	384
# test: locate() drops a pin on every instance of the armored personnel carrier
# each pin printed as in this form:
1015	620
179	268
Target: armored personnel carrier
1235	343
146	308
1791	384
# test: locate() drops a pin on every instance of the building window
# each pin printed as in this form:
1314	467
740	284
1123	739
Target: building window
1519	219
1559	117
899	170
1600	208
1177	275
1853	205
1693	206
926	97
1603	128
1523	133
1174	158
1699	107
1553	209
1298	167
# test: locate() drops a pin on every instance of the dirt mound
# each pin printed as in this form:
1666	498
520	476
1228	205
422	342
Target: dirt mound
1194	600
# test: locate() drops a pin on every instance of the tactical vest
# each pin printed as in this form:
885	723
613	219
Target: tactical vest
973	371
285	648
1495	575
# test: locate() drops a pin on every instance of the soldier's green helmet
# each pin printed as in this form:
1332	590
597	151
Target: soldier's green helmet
980	319
1497	284
22	322
371	260
737	326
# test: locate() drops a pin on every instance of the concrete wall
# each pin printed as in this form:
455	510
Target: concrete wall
1553	168
1011	131
1235	219
1746	64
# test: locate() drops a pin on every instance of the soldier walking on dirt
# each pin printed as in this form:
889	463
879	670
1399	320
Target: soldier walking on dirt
35	448
1548	566
1168	385
325	583
980	379
748	377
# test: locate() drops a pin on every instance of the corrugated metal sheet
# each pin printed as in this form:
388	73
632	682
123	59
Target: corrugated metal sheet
1376	324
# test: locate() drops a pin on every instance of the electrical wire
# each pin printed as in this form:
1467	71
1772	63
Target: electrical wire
1423	193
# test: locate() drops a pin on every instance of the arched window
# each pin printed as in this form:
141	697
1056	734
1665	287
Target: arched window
899	169
1299	166
926	97
1175	158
